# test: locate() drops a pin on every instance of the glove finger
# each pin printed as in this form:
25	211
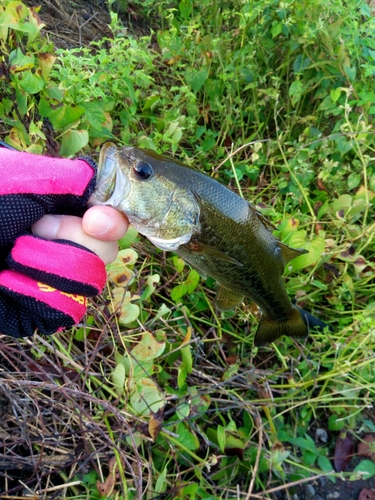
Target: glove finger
61	264
26	305
45	176
33	185
17	214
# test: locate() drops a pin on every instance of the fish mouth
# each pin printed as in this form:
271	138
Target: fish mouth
111	185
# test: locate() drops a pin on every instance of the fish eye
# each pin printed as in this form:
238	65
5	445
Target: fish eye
143	171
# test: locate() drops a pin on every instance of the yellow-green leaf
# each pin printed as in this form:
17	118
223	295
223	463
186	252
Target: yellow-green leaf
315	247
148	348
118	378
73	141
146	396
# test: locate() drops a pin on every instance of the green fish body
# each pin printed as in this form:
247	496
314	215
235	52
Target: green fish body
221	235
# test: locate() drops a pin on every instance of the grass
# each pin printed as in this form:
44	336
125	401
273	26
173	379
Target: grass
156	394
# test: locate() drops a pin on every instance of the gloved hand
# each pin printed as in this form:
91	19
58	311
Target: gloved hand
43	283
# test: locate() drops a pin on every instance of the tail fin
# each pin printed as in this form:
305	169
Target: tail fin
313	322
297	326
270	330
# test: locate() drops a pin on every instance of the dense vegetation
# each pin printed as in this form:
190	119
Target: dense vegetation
156	394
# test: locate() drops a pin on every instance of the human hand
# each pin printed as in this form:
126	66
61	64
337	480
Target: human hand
47	274
99	230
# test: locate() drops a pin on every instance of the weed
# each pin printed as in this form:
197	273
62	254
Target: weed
156	394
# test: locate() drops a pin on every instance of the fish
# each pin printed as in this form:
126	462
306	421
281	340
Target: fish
220	234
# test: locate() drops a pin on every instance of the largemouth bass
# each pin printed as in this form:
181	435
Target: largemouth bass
181	209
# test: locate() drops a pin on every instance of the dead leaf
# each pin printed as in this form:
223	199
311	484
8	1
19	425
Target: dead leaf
366	447
155	423
44	370
343	451
366	494
231	360
187	337
320	185
106	488
234	452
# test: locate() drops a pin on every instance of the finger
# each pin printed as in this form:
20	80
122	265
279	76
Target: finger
105	223
67	227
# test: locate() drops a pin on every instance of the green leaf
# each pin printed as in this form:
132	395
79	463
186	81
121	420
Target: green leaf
35	130
196	79
128	82
276	29
62	116
208	143
31	82
182	375
187	358
192	281
351	72
325	464
177	135
233	441
304	444
335	94
327	104
309	457
301	62
191	489
161	483
94	114
90	478
295	91
186	438
21	99
151	284
185	8
344	202
335	423
221	437
364	470
278	456
178	263
354	179
178	291
129	238
20	62
73	141
365	9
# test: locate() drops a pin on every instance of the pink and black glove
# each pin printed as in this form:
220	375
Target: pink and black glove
43	283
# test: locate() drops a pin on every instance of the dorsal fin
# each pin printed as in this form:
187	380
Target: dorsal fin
266	223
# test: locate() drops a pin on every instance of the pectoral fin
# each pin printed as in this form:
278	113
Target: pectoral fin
227	299
288	253
201	248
